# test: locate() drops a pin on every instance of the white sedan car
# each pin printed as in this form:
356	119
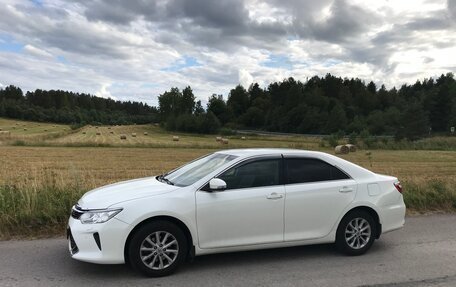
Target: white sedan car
235	200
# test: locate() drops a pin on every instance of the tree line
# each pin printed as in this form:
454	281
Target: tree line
72	108
320	105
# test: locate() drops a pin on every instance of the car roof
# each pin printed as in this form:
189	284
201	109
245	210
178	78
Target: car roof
267	151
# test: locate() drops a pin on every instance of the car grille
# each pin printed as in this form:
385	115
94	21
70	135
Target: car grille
76	212
73	247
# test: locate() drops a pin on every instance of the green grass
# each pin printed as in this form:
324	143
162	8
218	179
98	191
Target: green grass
35	212
435	195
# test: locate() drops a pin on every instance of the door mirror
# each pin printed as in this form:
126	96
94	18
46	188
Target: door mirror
217	184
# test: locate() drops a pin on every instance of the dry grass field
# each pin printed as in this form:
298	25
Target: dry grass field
16	129
154	136
44	176
90	166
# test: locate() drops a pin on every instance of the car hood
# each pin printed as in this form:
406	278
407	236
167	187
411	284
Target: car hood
105	196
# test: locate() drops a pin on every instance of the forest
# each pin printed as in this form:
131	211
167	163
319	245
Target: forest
320	105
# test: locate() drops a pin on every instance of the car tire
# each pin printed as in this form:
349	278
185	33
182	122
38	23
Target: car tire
356	233
157	249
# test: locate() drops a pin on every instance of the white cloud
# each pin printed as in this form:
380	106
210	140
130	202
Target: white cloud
122	50
37	52
103	92
245	78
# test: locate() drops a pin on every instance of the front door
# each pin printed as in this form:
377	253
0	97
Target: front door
249	211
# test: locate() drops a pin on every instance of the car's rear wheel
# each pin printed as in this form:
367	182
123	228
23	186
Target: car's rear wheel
157	248
356	233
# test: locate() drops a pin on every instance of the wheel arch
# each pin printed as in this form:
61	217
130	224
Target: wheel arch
176	221
372	212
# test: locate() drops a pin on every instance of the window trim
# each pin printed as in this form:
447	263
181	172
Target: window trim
285	170
247	161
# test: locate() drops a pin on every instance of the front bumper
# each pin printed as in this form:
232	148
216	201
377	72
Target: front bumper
97	243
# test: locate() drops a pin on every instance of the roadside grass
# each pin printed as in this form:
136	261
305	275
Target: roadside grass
432	196
35	212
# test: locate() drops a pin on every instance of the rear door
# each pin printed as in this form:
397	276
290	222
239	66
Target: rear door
316	194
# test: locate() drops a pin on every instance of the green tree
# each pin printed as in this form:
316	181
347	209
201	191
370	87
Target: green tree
416	122
238	100
198	108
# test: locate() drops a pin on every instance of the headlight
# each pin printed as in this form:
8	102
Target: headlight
98	216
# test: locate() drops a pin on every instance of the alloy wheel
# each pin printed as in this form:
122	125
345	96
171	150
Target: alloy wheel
159	250
358	233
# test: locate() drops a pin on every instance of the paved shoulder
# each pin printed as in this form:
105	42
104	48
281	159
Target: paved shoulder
421	254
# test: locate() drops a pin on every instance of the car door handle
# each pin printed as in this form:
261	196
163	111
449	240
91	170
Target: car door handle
274	195
346	189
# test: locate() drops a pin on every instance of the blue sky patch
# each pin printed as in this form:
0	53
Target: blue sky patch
149	85
331	62
62	59
38	3
182	63
8	44
278	61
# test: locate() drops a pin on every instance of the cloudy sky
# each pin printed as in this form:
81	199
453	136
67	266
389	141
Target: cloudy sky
136	49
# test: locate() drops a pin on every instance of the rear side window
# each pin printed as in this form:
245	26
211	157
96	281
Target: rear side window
301	170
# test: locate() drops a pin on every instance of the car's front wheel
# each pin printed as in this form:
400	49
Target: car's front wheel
157	248
356	233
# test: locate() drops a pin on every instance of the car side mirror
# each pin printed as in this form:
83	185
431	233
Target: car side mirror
217	184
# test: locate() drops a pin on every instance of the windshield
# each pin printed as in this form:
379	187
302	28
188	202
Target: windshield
196	170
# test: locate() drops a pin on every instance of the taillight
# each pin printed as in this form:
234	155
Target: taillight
398	186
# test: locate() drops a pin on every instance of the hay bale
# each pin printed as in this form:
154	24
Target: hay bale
25	129
1	129
17	124
145	133
109	128
112	132
133	135
83	133
175	138
351	147
45	130
218	139
225	141
14	128
243	138
123	137
341	149
96	127
98	134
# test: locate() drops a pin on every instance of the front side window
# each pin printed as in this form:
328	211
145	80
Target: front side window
196	170
253	174
302	170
